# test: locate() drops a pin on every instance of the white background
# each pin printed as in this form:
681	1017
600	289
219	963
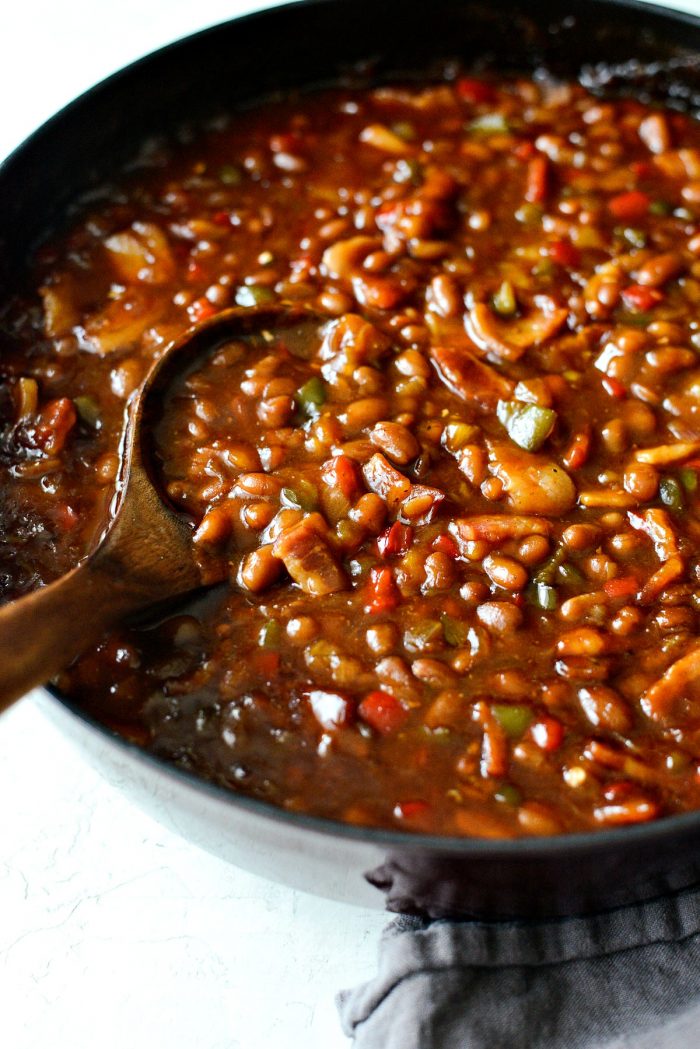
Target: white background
113	933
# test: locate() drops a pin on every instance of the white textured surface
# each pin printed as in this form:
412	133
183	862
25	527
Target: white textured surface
113	933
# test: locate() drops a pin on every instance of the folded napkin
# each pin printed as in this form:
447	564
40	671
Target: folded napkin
627	979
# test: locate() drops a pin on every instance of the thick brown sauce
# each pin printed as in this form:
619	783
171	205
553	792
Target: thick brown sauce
459	517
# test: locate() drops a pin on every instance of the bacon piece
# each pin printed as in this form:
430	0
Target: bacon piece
470	379
668	573
656	524
660	697
384	479
308	558
496	528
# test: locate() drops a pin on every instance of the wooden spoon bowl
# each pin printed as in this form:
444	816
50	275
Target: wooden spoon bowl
145	555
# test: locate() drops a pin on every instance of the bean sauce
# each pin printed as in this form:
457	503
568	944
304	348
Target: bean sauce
456	502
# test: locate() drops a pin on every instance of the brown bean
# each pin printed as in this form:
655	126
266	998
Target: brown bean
276	411
659	269
533	549
535	817
433	671
370	512
260	485
505	572
439	571
260	569
444	296
584	641
214	528
580	536
499	616
364	412
396	441
642	481
302	629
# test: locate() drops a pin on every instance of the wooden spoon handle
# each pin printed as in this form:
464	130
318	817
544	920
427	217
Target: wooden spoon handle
42	632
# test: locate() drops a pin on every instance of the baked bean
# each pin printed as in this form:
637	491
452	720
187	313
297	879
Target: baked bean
499	617
259	569
396	441
505	571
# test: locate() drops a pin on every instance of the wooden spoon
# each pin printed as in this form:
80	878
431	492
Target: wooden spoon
145	555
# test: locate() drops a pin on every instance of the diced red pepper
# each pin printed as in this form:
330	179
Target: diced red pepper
341	472
475	91
629	207
200	310
56	419
65	517
524	150
640	299
383	593
286	142
641	168
564	253
221	218
446	545
266	663
624	586
195	271
547	733
395	540
406	810
537	179
614	387
578	451
383	712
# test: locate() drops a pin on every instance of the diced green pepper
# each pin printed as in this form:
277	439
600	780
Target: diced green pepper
456	631
456	435
546	574
513	718
671	493
637	238
88	410
423	634
569	574
689	478
404	129
303	497
529	214
528	425
636	320
660	207
231	175
545	268
507	794
254	295
677	761
542	596
503	301
311	395
489	124
270	634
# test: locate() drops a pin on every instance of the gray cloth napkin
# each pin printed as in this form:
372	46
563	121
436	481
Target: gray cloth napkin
628	979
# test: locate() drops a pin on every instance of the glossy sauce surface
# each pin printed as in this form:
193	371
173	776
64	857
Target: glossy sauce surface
457	510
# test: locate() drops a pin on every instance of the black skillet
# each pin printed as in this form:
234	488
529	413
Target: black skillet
613	46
